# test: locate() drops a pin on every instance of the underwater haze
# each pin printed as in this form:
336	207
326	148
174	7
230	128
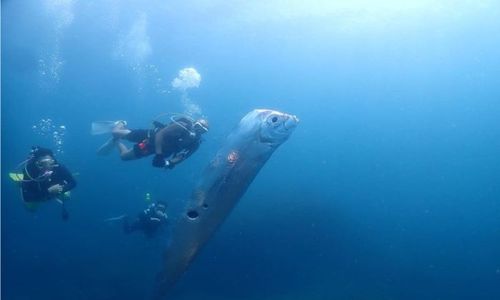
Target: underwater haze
389	188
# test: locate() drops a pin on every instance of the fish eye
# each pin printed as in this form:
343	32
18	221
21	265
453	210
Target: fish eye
274	119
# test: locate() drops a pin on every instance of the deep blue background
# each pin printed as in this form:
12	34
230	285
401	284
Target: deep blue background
388	189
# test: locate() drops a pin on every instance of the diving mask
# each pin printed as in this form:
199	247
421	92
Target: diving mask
46	163
201	124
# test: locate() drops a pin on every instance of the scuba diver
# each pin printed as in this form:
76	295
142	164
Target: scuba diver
148	221
43	179
171	143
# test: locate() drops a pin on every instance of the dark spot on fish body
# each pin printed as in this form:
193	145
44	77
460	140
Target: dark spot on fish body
192	214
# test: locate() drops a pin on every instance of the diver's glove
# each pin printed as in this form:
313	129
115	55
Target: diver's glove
169	164
159	161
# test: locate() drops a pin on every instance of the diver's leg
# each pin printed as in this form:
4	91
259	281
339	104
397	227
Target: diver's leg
121	132
126	153
130	227
118	132
64	212
107	147
133	135
127	228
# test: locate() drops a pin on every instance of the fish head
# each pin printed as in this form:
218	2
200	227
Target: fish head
275	126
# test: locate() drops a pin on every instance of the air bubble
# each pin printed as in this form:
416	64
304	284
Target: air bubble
46	129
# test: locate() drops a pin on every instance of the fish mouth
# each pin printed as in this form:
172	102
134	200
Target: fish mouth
291	122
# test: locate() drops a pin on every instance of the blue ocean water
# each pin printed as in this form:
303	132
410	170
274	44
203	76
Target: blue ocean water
388	189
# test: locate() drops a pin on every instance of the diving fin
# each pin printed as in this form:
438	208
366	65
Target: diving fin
31	206
107	147
17	177
102	127
113	219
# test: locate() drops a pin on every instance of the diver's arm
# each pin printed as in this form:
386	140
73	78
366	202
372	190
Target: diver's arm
181	156
165	136
168	134
159	158
67	178
159	136
161	216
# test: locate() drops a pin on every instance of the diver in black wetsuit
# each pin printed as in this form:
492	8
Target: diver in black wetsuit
45	179
171	143
148	221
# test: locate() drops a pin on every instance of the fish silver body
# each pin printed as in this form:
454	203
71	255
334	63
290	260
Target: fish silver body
222	184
